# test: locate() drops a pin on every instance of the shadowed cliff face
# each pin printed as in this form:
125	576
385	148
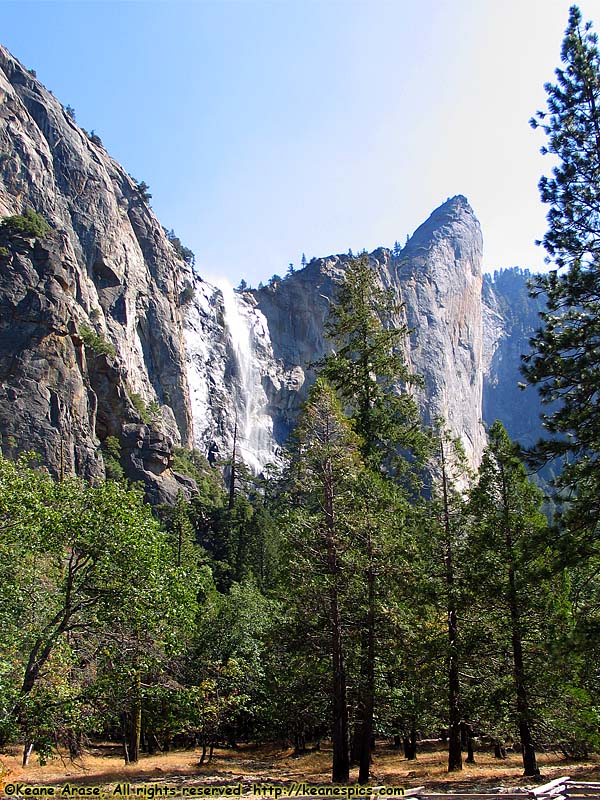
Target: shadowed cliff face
511	317
106	266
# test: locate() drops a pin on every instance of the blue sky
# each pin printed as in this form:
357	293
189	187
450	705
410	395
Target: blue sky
269	129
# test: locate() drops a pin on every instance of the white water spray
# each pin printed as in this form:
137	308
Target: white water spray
255	427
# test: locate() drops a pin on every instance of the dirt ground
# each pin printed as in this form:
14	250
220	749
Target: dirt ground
103	765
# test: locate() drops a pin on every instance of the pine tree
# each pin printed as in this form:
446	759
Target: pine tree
447	503
369	371
565	358
507	543
324	468
368	367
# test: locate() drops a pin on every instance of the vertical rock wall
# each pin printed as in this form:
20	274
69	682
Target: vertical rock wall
437	278
107	266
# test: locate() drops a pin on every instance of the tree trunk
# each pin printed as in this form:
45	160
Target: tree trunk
357	735
499	750
369	688
135	722
410	745
470	751
523	711
528	751
27	751
466	732
340	771
454	743
341	763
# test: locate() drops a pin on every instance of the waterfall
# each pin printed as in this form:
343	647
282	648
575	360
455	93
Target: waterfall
254	425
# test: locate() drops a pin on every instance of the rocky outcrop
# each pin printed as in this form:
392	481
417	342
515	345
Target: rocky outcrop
437	279
105	273
439	272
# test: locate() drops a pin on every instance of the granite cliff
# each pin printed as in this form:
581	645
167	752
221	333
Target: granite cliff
106	269
436	277
105	331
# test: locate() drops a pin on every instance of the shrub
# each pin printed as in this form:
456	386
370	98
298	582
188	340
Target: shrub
30	223
139	405
182	251
96	342
187	295
142	188
211	490
153	409
148	412
4	252
111	453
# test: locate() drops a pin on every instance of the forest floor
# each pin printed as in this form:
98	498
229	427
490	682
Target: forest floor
103	766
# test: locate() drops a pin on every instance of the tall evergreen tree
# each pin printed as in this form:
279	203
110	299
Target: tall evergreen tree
508	541
324	469
368	368
448	504
369	371
565	358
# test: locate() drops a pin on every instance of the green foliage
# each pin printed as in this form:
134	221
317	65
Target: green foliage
187	295
230	660
96	342
211	490
322	542
30	224
241	539
4	252
153	408
182	251
112	454
512	550
368	367
565	361
90	595
142	190
139	405
149	412
571	125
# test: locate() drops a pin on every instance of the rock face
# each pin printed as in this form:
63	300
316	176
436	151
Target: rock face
510	318
106	269
439	272
105	331
437	278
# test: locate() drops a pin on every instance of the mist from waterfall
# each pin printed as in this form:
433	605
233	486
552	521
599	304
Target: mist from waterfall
254	425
